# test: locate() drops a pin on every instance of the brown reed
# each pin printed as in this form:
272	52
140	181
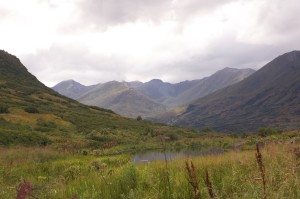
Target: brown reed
262	170
25	190
209	185
193	178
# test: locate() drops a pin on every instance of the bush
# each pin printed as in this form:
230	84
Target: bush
264	132
3	109
31	110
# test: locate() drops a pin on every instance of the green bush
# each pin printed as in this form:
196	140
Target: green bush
3	109
31	110
264	132
8	138
43	123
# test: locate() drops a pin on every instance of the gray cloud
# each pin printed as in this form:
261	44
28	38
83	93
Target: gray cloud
74	62
280	17
105	13
273	30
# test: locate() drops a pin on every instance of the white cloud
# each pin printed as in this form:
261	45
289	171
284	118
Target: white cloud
96	41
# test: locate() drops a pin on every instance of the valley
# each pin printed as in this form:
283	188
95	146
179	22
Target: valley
55	147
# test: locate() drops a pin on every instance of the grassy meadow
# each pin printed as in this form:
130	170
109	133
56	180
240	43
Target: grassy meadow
61	174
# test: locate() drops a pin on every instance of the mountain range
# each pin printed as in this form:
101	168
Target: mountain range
33	114
152	98
268	98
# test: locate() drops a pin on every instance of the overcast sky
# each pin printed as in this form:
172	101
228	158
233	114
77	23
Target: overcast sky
93	41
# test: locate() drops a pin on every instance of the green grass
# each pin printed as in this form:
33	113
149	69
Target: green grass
55	174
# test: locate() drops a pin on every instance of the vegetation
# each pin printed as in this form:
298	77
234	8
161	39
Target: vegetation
57	174
31	110
3	109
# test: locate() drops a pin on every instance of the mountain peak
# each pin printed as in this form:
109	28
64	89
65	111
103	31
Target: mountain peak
156	81
70	81
231	70
293	56
10	63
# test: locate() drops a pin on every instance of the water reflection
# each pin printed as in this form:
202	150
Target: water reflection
171	155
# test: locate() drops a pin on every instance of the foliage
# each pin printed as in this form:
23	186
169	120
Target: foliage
263	132
31	110
3	109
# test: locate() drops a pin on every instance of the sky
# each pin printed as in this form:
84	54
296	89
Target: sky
95	41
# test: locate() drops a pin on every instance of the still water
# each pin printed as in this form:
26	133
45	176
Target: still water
152	156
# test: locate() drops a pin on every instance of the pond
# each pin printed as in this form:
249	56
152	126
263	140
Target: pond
144	158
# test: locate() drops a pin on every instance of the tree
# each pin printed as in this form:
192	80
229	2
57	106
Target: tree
139	118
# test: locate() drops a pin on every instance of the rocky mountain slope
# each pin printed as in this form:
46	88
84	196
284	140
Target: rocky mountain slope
268	98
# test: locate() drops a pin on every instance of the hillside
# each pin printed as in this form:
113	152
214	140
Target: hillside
122	99
33	114
268	98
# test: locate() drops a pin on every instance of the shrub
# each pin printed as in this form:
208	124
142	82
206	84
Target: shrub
31	110
3	109
264	132
43	123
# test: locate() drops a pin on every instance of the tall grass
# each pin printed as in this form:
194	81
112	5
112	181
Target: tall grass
55	175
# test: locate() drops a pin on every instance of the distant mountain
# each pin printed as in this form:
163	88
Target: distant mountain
174	95
190	91
157	90
135	84
268	98
122	98
151	98
71	88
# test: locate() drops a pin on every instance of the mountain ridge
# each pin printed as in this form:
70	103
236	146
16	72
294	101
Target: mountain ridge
265	98
155	92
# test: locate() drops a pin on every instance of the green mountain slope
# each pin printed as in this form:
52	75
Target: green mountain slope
33	114
122	99
268	98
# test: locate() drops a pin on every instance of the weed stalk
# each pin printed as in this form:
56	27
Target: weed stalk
209	185
193	178
262	170
25	190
